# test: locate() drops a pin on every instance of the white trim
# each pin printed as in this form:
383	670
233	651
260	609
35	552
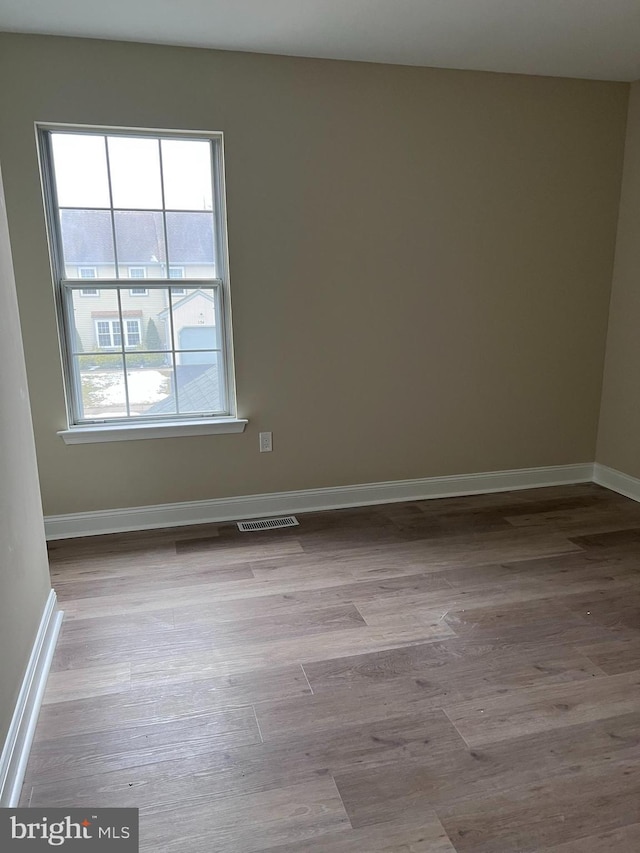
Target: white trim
17	745
133	431
63	285
309	500
624	484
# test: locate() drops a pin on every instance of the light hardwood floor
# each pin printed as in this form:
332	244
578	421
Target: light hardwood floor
425	677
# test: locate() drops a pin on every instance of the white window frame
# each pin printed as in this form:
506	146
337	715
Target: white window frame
81	429
89	291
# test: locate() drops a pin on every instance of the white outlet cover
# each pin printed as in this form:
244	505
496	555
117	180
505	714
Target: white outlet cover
266	442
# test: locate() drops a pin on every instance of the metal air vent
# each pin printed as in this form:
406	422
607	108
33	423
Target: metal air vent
267	523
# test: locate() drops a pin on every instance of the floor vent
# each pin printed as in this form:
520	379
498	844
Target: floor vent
268	523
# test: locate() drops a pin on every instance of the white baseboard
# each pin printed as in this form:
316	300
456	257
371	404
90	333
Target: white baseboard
15	752
309	500
616	481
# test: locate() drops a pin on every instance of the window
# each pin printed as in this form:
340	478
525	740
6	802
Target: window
140	205
132	332
88	272
177	272
109	333
138	272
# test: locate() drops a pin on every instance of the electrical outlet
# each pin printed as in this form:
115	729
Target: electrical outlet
266	442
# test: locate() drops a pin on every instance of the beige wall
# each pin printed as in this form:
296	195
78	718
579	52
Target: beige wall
24	571
421	263
619	434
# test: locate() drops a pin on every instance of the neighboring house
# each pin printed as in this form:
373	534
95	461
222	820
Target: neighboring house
194	327
88	245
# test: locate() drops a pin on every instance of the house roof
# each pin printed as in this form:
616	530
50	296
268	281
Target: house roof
198	394
87	237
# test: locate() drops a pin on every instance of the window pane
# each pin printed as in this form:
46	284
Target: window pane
150	381
140	243
196	322
191	243
94	321
99	382
186	168
75	342
153	318
80	164
135	172
87	240
200	388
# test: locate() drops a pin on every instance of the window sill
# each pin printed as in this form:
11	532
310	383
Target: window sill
133	432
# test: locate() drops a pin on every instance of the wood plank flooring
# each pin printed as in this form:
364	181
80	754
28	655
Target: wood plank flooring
449	676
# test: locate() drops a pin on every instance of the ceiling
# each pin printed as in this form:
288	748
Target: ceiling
598	39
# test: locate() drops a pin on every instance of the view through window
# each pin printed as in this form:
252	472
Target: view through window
128	205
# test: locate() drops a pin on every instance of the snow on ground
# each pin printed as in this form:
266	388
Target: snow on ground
145	386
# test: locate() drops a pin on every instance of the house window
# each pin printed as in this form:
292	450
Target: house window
177	273
138	272
109	333
132	332
85	273
145	205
